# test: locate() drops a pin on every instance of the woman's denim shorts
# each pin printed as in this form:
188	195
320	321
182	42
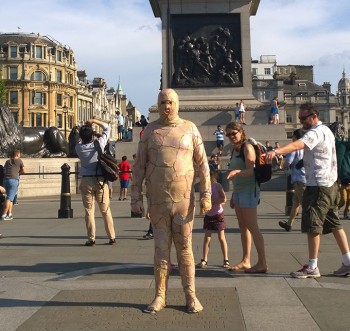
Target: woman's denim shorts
247	199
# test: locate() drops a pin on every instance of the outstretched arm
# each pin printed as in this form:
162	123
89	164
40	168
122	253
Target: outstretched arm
291	147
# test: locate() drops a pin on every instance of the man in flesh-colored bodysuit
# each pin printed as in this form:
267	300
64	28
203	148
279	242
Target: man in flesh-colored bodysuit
165	160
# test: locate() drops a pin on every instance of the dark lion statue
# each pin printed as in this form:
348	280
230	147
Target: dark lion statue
31	141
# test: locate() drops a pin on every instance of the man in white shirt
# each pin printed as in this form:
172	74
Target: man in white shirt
120	119
320	199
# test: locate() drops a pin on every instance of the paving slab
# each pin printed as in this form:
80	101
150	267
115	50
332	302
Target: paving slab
122	310
50	281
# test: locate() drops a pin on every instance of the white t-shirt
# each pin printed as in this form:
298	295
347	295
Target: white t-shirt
120	120
320	158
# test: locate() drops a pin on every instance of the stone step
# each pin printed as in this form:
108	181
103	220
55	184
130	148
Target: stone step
260	132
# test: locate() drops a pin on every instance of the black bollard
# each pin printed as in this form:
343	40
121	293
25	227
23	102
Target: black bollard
289	196
65	210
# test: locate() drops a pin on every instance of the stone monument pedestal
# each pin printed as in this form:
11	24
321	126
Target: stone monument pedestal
206	56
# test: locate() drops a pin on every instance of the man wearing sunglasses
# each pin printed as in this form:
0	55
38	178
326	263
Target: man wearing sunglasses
320	199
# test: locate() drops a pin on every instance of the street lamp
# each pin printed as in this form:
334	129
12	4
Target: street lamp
65	111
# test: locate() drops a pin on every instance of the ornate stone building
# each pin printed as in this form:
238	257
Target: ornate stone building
293	85
343	93
343	97
85	99
291	93
44	87
40	75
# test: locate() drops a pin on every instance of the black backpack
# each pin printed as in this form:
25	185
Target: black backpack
107	163
262	170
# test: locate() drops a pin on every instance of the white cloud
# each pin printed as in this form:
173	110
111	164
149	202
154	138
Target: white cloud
110	39
313	32
122	38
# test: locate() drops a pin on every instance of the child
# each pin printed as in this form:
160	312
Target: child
124	176
219	139
214	220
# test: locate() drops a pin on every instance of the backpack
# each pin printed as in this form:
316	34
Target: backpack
107	163
109	149
338	130
262	170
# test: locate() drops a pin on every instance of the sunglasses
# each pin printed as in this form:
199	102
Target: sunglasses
231	134
303	118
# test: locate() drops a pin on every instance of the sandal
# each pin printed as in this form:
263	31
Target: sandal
202	264
226	264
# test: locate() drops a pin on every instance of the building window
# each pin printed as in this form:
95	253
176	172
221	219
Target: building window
38	98
59	120
13	97
39	52
59	56
289	118
255	71
267	71
38	119
286	71
13	73
13	51
70	78
59	100
38	76
58	76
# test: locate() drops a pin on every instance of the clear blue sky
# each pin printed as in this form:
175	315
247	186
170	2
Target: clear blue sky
122	38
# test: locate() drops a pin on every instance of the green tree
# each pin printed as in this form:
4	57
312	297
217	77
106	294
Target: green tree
2	90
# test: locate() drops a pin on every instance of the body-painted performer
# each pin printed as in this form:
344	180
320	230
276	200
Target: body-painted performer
165	160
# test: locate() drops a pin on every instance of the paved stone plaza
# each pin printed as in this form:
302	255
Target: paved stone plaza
50	281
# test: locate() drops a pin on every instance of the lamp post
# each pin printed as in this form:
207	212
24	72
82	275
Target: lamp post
65	111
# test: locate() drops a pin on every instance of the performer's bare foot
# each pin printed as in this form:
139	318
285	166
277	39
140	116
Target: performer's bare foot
157	304
239	267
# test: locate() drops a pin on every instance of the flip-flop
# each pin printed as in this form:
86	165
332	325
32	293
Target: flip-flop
255	271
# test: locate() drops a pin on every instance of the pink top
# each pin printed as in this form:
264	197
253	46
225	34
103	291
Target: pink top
215	195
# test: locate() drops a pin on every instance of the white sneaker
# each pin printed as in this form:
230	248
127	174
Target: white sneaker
306	272
342	271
